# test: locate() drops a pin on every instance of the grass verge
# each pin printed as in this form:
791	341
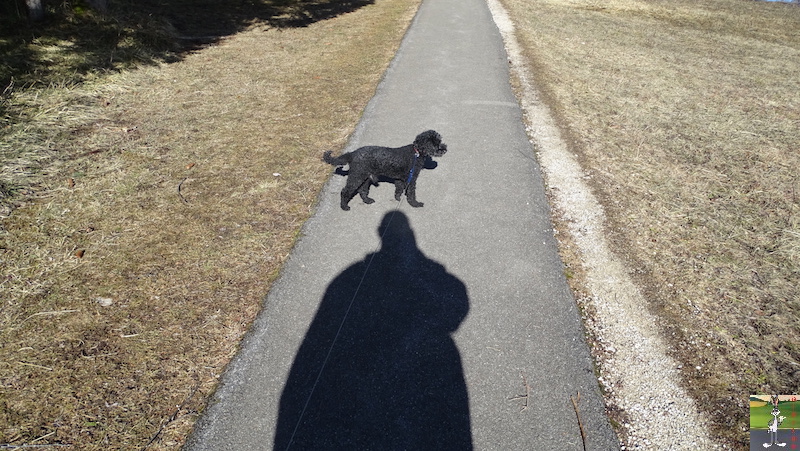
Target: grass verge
685	116
151	210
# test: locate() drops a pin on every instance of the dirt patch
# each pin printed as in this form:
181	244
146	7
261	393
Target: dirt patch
165	200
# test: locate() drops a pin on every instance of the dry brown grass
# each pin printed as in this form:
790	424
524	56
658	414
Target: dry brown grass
686	115
123	298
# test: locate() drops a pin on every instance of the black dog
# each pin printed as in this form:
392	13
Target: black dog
402	164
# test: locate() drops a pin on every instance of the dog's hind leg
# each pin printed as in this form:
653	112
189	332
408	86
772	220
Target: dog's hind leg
363	191
346	196
354	184
348	192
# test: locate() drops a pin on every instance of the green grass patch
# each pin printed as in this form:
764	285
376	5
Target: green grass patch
761	416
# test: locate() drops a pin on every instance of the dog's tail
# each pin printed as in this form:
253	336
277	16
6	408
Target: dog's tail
341	160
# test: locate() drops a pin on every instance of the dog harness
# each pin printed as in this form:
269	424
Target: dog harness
413	163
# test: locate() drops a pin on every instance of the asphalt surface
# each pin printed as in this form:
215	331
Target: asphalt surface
449	326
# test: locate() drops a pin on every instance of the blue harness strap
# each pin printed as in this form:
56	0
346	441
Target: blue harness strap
413	163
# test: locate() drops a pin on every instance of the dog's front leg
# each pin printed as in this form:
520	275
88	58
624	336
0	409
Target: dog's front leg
399	187
411	194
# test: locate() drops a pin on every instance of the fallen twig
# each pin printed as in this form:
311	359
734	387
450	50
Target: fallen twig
36	366
43	437
32	445
52	313
179	190
55	312
28	445
171	417
578	415
9	446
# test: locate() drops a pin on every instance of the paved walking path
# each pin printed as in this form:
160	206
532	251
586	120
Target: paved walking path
449	326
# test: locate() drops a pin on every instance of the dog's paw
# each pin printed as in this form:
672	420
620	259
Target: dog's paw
369	200
416	204
345	208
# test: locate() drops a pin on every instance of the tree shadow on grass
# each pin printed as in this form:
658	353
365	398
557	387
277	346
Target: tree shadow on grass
208	17
74	41
389	376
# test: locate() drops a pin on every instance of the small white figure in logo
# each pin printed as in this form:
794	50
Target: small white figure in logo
774	423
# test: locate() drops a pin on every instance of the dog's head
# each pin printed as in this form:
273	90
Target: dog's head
429	143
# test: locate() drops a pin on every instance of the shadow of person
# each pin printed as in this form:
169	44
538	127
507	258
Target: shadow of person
378	368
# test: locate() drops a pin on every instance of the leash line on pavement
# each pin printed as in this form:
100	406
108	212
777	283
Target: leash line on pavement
338	332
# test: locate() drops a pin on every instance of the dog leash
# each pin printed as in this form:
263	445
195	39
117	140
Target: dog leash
341	325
